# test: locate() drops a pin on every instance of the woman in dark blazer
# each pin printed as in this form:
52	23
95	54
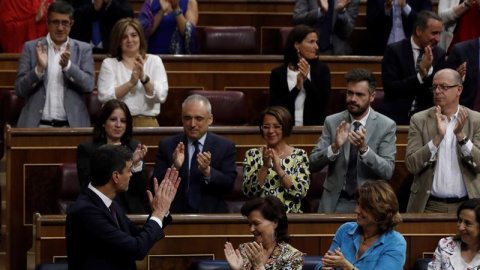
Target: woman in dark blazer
114	126
302	83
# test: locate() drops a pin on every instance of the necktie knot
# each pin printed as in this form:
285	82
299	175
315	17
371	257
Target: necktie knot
356	125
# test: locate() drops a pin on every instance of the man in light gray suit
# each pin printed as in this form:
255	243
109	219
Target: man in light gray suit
334	19
53	74
358	145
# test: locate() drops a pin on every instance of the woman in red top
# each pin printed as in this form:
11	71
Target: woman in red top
21	21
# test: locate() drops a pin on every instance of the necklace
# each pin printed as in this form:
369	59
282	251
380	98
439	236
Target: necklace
364	242
281	154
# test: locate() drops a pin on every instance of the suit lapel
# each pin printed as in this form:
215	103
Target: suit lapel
346	146
98	201
408	50
371	125
431	125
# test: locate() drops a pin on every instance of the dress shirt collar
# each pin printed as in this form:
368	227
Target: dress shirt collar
102	196
362	121
201	140
51	43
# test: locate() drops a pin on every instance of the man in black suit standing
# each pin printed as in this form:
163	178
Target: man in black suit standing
408	67
99	234
205	161
465	59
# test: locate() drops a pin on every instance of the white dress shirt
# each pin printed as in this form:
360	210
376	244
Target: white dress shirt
54	108
448	179
302	95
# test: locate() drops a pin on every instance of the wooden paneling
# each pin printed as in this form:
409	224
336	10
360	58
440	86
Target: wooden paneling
218	72
194	236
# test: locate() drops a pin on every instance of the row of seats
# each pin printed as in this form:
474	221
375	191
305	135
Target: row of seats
69	189
244	108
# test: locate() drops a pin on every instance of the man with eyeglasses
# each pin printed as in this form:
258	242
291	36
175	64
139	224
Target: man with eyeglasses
443	150
205	161
408	67
53	74
358	145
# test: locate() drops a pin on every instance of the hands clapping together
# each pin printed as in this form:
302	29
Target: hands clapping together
164	193
356	138
203	158
255	254
42	57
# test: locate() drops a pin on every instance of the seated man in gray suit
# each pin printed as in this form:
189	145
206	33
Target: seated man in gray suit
358	145
53	74
334	19
443	150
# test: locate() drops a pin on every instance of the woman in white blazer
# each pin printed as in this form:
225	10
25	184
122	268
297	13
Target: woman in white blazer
462	250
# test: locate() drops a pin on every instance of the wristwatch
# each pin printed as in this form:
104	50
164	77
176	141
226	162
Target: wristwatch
147	79
464	141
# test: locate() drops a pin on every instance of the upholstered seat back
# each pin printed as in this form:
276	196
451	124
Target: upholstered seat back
228	107
229	40
68	186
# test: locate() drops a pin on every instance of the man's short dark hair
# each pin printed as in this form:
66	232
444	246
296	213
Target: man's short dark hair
106	160
360	74
60	7
422	19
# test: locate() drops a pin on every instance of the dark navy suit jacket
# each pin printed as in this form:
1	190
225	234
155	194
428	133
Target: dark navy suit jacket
461	52
95	241
400	82
223	172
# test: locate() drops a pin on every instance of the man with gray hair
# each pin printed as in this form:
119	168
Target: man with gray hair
443	150
358	145
206	161
53	74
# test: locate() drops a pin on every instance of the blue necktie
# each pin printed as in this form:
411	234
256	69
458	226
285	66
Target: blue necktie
194	183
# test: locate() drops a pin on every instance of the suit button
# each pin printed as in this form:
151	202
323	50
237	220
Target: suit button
72	79
40	111
34	84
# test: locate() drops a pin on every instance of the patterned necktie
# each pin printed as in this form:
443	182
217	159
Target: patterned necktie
114	213
414	107
194	183
351	183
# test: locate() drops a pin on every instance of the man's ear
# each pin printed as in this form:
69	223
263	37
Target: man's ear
115	177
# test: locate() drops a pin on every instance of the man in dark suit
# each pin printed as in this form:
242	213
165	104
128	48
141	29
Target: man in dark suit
334	19
205	161
53	74
95	21
408	67
392	20
464	58
99	234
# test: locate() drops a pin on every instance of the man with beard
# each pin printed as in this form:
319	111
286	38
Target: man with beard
358	145
443	150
